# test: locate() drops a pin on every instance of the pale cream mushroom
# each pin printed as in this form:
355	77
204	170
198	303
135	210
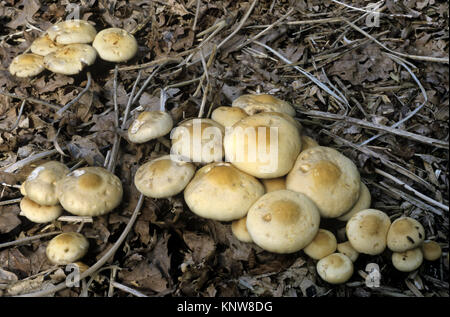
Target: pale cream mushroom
328	177
150	125
72	32
367	231
227	116
43	45
115	45
222	192
323	244
335	268
253	104
283	221
70	59
89	191
363	202
239	230
431	250
39	213
405	233
273	184
67	248
347	249
163	177
308	142
407	261
27	65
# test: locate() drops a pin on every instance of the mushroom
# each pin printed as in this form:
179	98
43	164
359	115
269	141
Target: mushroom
273	184
163	177
43	45
70	59
89	191
367	231
27	65
72	32
407	261
308	142
263	145
335	268
363	202
329	178
431	250
67	248
323	244
221	192
39	213
115	45
239	230
150	125
347	249
253	104
283	221
405	233
227	116
40	185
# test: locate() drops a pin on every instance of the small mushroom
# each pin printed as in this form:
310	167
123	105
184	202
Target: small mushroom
115	45
72	32
239	230
347	249
70	59
273	184
227	116
67	248
407	261
39	213
150	125
405	233
431	250
323	244
253	104
363	202
335	268
27	65
43	45
308	142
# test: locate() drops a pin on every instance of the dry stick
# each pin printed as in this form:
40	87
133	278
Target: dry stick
28	239
116	106
18	165
73	101
32	100
17	120
10	201
147	81
75	219
127	109
127	289
101	261
164	60
197	9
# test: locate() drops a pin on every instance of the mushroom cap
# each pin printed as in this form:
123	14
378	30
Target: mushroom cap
150	125
367	231
198	140
70	59
328	177
253	104
239	230
39	213
308	142
431	250
347	249
289	118
404	234
40	185
407	261
222	192
363	202
227	116
283	221
263	145
115	45
163	177
89	191
43	45
335	268
273	184
323	244
72	32
27	65
67	248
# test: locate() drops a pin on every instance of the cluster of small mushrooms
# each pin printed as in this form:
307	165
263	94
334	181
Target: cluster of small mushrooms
65	48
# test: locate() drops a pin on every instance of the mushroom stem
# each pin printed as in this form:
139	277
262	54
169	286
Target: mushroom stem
68	105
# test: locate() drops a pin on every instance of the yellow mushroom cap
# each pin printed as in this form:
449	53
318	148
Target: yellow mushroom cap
273	184
405	233
27	65
367	231
335	268
431	250
407	261
308	142
323	244
72	32
222	192
239	230
329	178
363	202
253	104
43	45
283	221
115	45
347	249
163	177
67	248
227	116
89	191
150	125
70	59
39	213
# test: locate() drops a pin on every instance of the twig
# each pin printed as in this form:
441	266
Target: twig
75	219
127	289
10	201
147	81
28	239
116	106
130	99
17	120
18	165
32	100
197	9
74	100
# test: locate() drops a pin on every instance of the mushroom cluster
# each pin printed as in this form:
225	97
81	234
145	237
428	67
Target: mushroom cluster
69	46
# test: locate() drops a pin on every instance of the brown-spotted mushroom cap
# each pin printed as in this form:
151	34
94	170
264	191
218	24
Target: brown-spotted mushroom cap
431	250
273	184
40	185
335	268
27	65
239	230
328	177
67	248
407	261
363	202
72	32
308	142
150	125
70	59
115	45
222	192
367	231
227	116
163	177
323	244
43	45
89	191
405	233
347	249
283	221
39	213
253	104
263	145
